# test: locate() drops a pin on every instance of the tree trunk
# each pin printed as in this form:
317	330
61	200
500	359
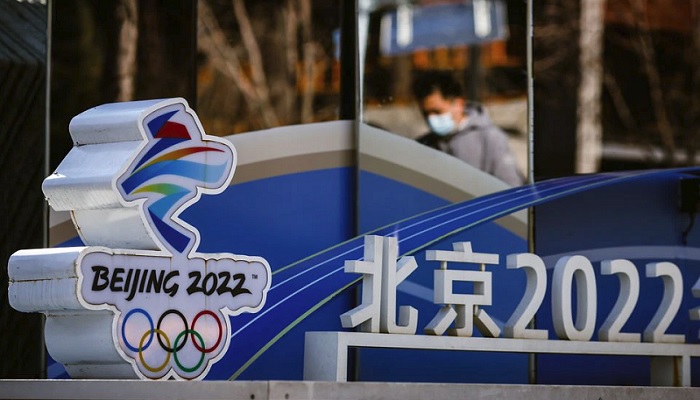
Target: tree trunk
127	18
255	58
589	138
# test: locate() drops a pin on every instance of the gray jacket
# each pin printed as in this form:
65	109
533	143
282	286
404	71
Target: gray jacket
481	144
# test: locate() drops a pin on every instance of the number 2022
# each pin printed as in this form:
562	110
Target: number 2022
579	269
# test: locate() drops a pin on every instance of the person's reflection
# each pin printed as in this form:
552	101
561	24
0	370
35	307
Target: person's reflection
464	131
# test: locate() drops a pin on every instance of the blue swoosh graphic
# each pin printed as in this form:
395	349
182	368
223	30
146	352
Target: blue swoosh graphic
321	277
178	240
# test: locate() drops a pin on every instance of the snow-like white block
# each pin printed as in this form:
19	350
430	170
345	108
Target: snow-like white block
82	338
44	280
84	178
126	228
36	264
50	295
114	122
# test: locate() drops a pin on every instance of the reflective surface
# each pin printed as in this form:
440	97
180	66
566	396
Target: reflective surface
619	94
481	44
475	52
265	64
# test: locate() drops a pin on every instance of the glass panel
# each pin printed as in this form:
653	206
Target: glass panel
620	94
452	176
616	89
460	64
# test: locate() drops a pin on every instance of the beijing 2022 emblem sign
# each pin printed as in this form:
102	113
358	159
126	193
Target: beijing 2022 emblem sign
172	305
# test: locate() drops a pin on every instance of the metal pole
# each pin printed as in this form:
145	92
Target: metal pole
530	37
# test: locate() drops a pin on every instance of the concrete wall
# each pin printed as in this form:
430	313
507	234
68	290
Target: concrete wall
274	390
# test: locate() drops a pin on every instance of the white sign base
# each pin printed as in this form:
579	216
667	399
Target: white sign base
326	353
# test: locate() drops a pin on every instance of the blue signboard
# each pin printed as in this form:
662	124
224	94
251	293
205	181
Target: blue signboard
410	28
600	238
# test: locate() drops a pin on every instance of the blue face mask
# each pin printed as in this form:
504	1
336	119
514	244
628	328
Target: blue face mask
441	124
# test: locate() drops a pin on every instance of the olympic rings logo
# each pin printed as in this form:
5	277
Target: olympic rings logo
171	348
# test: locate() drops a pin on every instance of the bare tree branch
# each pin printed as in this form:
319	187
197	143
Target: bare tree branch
309	56
257	70
556	27
645	47
291	26
620	104
224	58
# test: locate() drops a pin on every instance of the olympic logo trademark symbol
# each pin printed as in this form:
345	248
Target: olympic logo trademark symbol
173	306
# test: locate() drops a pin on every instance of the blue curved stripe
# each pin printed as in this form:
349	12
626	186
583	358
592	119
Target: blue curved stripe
176	239
202	172
319	277
162	206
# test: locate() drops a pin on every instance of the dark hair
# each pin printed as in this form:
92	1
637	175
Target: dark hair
427	83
